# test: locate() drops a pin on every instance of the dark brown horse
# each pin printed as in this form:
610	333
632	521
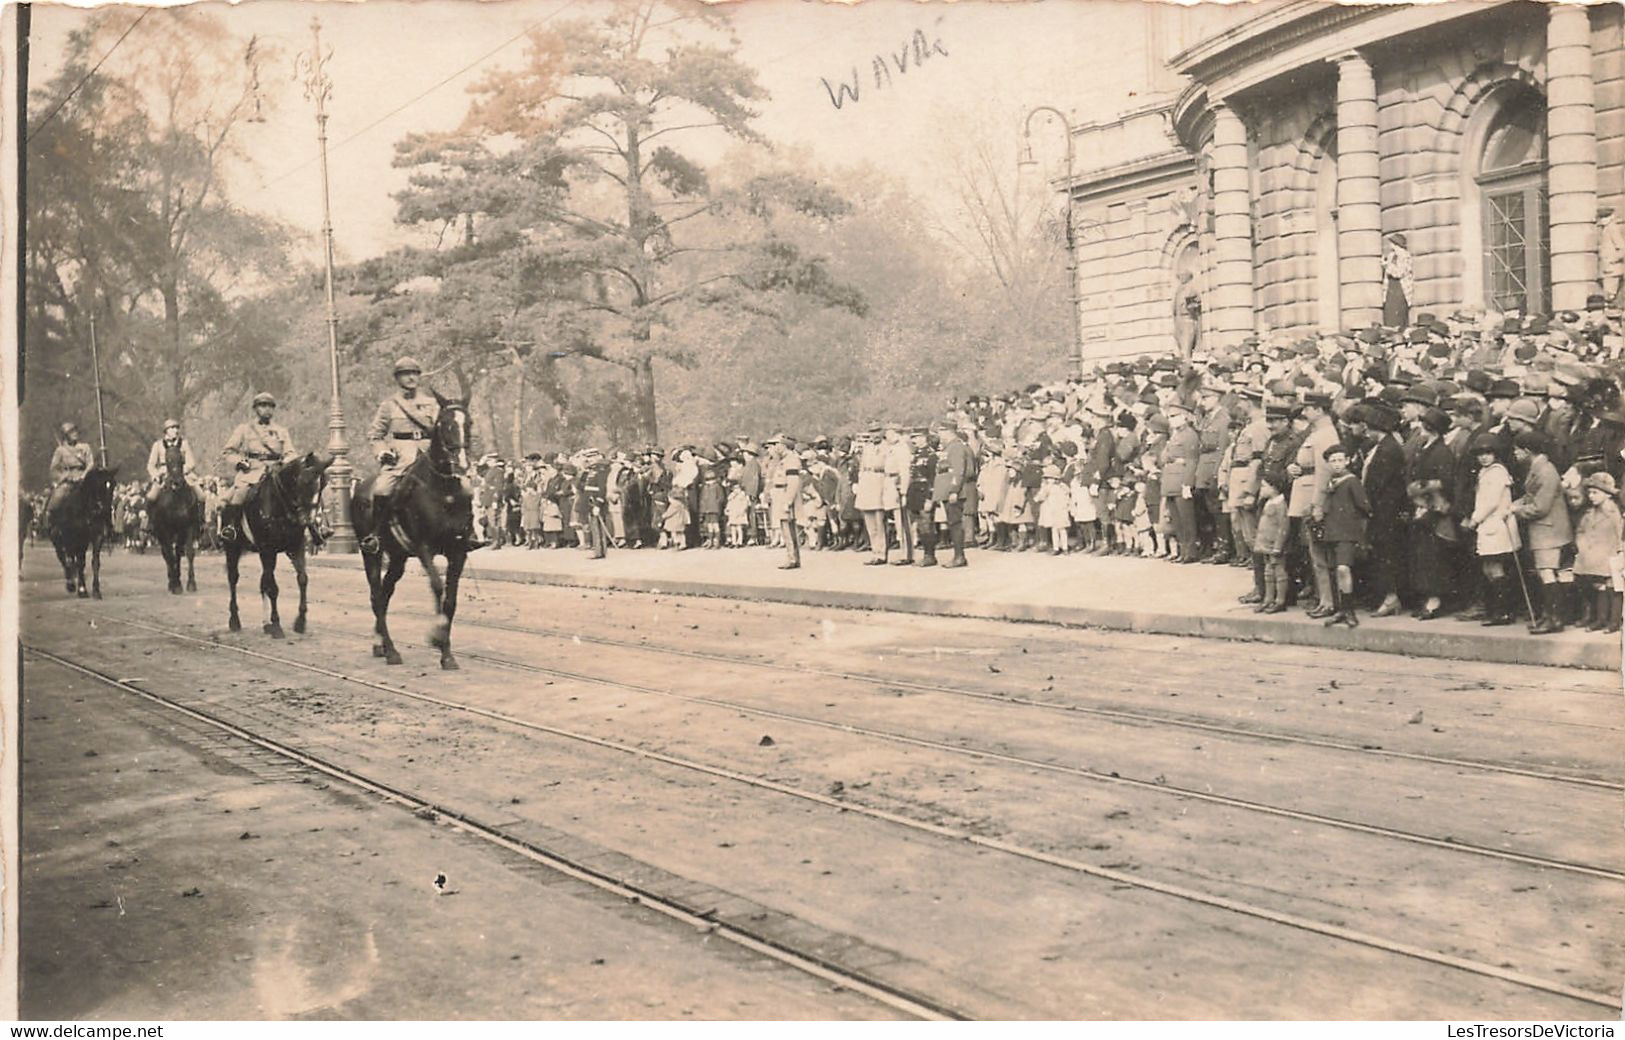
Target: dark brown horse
82	521
176	517
276	515
431	517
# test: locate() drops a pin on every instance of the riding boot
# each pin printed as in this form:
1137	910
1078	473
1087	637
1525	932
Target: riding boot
382	507
231	520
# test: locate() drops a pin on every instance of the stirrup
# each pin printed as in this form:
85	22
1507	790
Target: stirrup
370	544
228	533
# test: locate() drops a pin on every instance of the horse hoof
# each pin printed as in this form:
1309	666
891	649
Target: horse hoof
449	664
299	625
274	631
191	586
378	650
72	588
234	625
96	594
392	657
174	590
83	594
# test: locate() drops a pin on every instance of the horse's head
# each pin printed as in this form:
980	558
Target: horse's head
98	487
301	479
451	434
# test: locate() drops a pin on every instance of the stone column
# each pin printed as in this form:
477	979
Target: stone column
1359	208
1230	317
1571	153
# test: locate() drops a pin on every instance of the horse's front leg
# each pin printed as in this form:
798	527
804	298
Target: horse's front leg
67	570
380	607
440	631
297	558
448	606
234	559
268	591
191	554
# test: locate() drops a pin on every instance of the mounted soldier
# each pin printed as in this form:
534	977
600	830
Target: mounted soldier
401	430
171	453
69	464
253	446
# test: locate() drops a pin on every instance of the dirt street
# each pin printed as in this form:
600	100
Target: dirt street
1015	820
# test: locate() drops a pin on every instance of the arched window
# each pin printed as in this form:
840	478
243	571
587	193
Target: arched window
1511	182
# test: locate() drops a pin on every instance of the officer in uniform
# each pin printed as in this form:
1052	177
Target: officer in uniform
172	443
252	447
955	479
917	501
401	428
69	464
595	488
786	493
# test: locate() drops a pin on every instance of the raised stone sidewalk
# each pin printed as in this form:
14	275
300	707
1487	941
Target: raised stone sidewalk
1100	592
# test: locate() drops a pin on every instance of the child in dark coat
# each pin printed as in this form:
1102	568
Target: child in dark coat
1347	509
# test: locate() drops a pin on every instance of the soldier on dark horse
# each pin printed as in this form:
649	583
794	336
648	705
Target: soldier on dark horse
420	505
174	503
272	506
79	513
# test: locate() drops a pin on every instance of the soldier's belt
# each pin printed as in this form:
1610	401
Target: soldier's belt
415	435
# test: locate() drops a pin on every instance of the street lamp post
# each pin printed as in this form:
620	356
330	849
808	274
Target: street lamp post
341	475
1071	240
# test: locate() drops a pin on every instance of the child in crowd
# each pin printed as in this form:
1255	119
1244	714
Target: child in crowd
1597	545
1269	544
1139	536
674	524
738	510
711	501
1054	509
1347	509
1498	540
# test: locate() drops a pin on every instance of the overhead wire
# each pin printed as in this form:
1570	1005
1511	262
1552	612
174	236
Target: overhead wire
86	77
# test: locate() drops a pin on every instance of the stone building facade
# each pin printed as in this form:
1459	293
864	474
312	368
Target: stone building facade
1255	199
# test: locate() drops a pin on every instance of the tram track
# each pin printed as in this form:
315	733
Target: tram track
984	754
427	809
1115	876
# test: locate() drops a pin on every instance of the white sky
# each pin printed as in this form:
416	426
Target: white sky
1087	57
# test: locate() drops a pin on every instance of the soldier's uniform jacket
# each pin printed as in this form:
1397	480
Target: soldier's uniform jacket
258	444
595	483
157	461
921	474
955	471
70	462
1246	456
1213	432
1179	459
786	484
1309	487
869	493
899	457
403	424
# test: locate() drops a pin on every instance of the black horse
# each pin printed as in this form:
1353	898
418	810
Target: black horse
432	513
277	515
176	518
81	522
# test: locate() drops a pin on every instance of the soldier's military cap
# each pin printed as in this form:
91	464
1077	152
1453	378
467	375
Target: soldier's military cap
408	364
1318	400
65	427
264	398
172	423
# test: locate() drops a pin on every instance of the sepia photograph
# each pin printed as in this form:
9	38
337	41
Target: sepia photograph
485	477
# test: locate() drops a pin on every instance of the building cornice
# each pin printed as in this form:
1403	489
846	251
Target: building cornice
1141	173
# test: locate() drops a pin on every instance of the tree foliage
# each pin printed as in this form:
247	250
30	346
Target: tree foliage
129	221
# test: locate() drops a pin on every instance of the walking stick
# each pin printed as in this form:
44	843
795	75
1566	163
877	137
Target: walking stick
1517	566
96	373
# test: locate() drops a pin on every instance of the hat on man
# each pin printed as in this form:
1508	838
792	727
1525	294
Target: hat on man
1485	443
408	364
172	424
1524	409
264	398
1421	394
1479	381
1467	404
1603	481
1435	420
1392	396
1596	302
65	427
1504	388
1315	399
1381	418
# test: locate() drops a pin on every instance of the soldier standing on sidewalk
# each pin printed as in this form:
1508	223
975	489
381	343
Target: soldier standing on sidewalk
954	481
